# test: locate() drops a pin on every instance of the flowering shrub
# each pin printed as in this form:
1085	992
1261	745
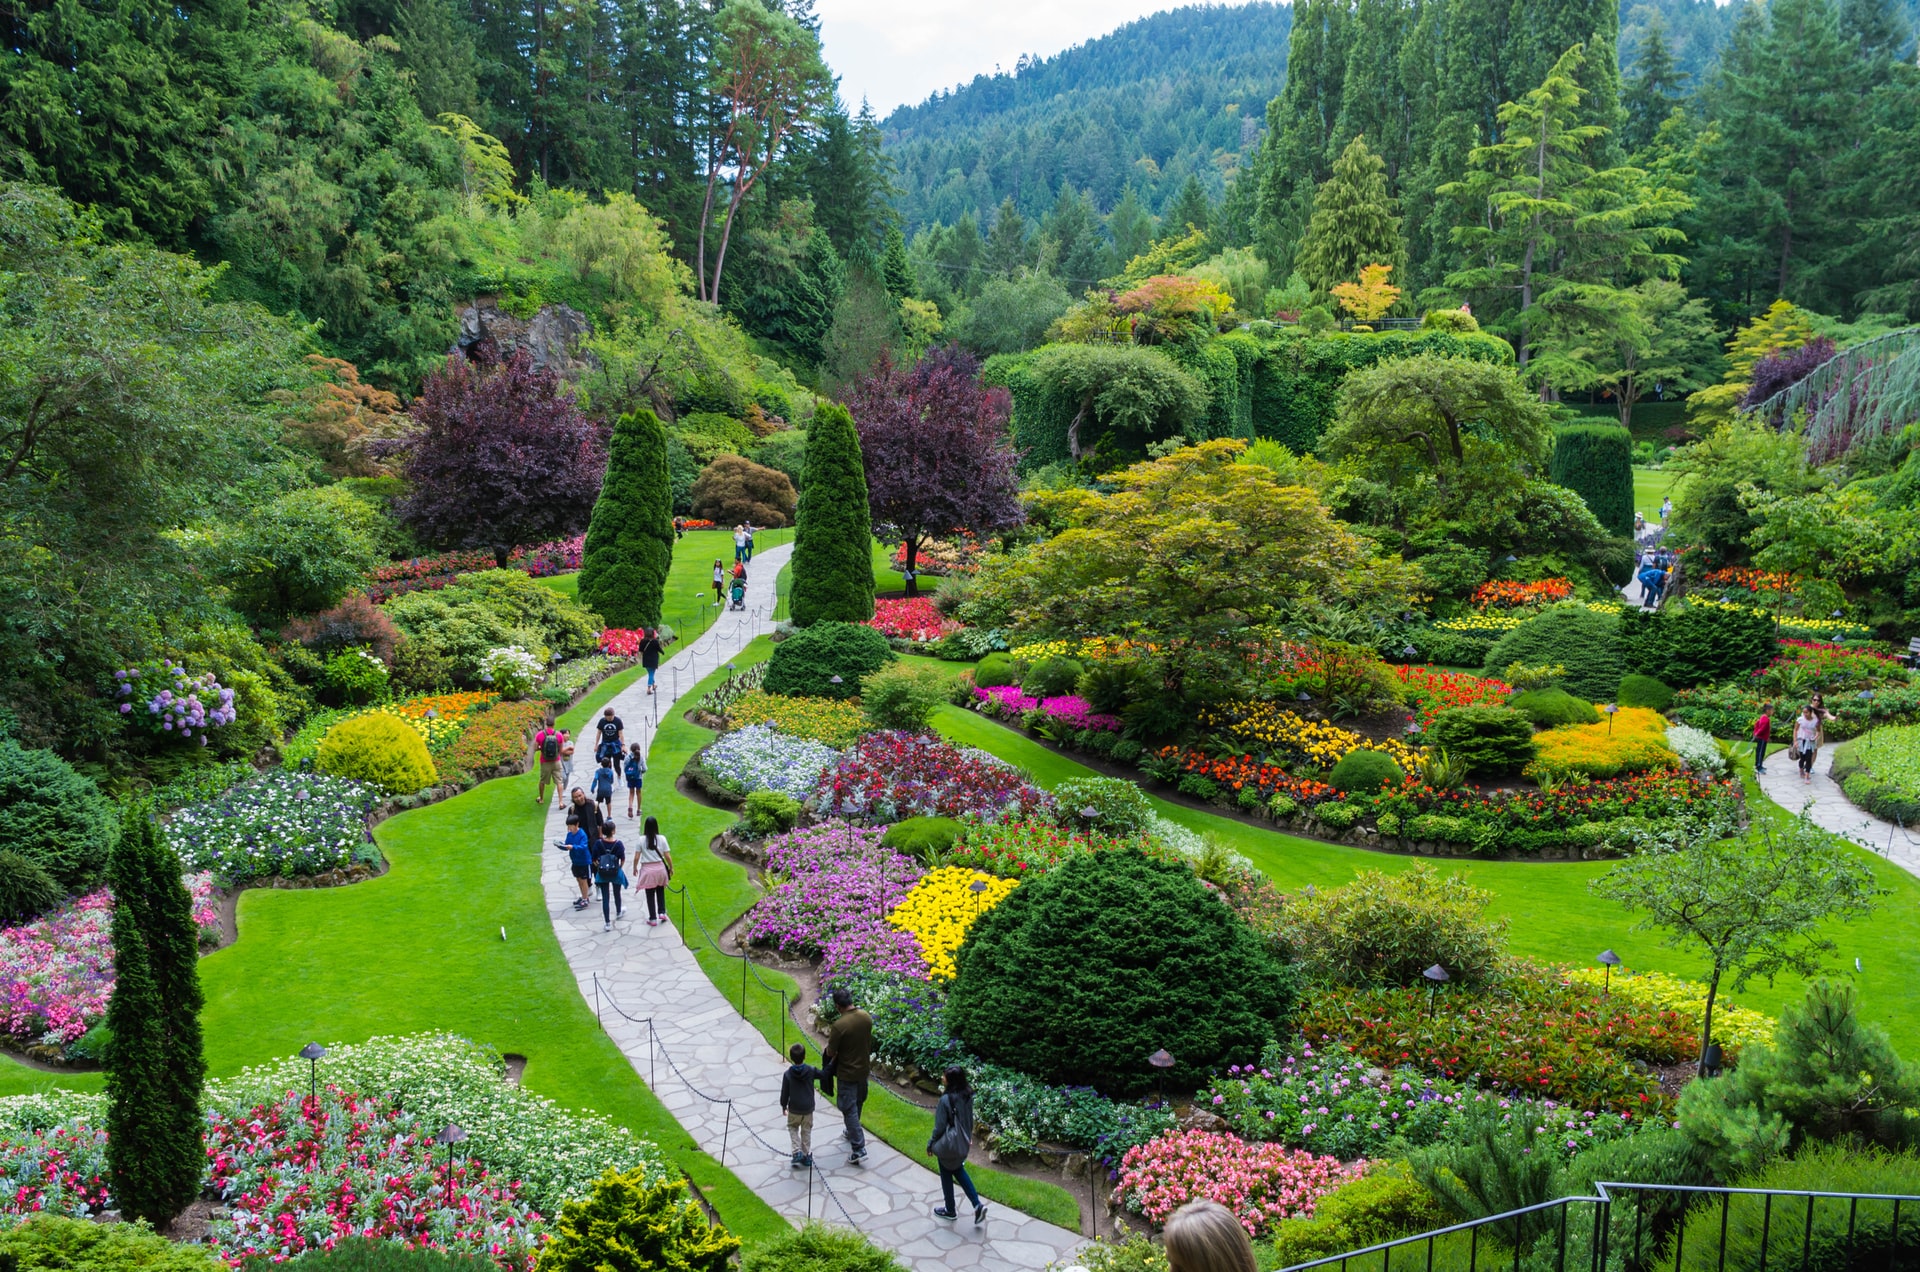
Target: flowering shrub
574	675
282	823
1285	737
1802	667
1482	623
959	554
494	737
620	642
1070	710
1752	580
56	973
1734	1027
695	523
1430	690
1698	752
890	775
1508	595
831	885
1821	646
913	618
511	670
1092	649
1559	1041
1260	1183
1010	849
760	758
1633	742
834	722
1241	773
540	560
940	909
60	1168
163	700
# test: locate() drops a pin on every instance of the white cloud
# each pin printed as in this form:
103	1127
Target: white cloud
898	51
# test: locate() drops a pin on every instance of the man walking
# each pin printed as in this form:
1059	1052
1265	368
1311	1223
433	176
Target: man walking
612	734
589	814
849	1049
547	745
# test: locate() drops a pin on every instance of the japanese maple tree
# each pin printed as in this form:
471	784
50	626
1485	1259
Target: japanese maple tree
937	453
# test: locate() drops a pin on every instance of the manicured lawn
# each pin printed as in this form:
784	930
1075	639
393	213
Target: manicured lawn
719	891
885	577
1650	486
689	609
568	585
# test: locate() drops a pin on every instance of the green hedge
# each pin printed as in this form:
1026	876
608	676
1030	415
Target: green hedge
1688	645
1595	461
1585	642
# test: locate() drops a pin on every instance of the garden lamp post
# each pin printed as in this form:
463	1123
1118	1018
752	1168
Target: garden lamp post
1609	960
1161	1060
977	887
1610	708
1436	977
311	1053
449	1135
1091	814
1408	652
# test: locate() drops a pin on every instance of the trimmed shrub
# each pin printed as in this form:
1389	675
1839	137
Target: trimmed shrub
1595	461
627	1222
819	1248
354	621
1384	1204
1643	691
922	838
1120	807
53	816
1334	815
1065	981
805	663
1386	929
54	1243
996	670
360	1254
724	429
1488	740
733	489
1051	677
380	749
1869	768
832	552
770	812
1364	772
629	545
902	696
1551	708
26	889
1585	642
1688	645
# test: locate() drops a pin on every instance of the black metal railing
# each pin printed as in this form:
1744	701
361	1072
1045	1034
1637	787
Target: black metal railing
1625	1227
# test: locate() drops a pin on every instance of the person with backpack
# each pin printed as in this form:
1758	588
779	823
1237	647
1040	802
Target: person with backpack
609	874
636	772
612	732
579	858
951	1142
655	860
796	1101
547	745
603	787
650	654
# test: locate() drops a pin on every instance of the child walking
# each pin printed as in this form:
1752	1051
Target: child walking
579	859
636	773
796	1101
603	785
609	872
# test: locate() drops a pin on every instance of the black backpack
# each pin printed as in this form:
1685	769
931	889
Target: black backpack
550	749
606	867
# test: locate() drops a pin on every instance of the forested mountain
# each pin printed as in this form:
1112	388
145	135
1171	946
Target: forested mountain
1172	96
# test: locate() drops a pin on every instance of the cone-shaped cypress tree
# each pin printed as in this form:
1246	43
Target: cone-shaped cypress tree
1596	462
154	1062
832	553
629	546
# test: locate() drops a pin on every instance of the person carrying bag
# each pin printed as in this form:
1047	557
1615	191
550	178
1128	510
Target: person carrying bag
951	1143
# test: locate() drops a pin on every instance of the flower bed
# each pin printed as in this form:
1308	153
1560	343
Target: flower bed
1431	690
1092	649
1799	625
761	758
833	722
60	1170
1260	1183
430	573
620	642
892	775
1752	580
940	909
284	823
1282	736
495	737
1633	741
913	618
1012	848
959	554
56	973
1881	773
1068	710
831	885
1492	624
1733	1027
1554	1040
570	678
1504	594
1238	773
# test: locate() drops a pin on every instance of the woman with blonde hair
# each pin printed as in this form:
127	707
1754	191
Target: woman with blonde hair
1203	1236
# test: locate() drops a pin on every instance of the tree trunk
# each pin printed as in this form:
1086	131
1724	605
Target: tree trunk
1706	1026
913	556
500	555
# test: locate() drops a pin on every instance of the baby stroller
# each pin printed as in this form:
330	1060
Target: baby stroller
739	595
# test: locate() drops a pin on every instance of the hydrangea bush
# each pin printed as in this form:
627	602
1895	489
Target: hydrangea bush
163	700
761	758
283	823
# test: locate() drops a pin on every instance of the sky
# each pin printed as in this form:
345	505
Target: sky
894	52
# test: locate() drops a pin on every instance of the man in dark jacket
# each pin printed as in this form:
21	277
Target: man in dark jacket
796	1101
849	1052
589	814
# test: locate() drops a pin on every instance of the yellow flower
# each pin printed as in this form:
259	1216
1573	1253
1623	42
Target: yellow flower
1732	1026
1321	744
940	909
830	720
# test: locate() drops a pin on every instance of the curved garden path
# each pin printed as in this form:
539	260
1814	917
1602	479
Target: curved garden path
713	1069
1830	809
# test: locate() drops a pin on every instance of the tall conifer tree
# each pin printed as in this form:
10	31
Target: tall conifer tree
832	552
629	544
1354	224
1654	92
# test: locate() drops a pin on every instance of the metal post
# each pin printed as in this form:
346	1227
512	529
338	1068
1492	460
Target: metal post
725	1128
1766	1232
1806	1239
743	987
653	1065
597	1018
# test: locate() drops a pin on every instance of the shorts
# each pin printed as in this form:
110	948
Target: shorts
580	872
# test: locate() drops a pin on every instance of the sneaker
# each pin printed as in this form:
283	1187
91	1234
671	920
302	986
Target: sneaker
799	1160
857	1156
941	1212
807	1161
606	927
979	1214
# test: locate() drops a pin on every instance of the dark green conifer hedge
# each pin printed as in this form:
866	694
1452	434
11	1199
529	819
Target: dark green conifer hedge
832	544
1595	461
629	545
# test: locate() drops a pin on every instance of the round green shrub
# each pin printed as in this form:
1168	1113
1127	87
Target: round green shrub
1488	740
55	1243
1082	973
53	816
1689	645
631	1221
377	748
1119	807
26	889
922	838
819	1248
901	696
995	670
1551	708
1644	691
1364	772
805	663
1384	1204
1051	677
1388	928
1585	642
769	812
1335	815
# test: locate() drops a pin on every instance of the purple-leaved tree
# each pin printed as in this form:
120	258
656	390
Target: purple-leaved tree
498	456
937	454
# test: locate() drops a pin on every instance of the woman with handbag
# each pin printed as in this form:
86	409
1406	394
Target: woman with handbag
655	861
1807	730
952	1141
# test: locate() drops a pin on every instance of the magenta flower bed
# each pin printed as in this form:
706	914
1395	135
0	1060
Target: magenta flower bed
891	776
1261	1183
1069	709
836	885
56	973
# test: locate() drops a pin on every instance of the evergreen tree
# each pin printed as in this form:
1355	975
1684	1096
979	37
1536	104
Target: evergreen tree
832	551
438	51
1131	227
849	178
896	268
1189	210
1353	223
1071	240
1654	92
629	544
154	1063
1008	247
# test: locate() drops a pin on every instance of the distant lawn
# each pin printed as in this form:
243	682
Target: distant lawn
568	585
688	608
1650	486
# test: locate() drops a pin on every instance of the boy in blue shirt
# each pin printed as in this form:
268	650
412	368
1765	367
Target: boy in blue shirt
603	785
579	859
636	773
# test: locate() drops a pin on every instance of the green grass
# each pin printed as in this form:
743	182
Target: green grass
1650	486
688	607
1553	917
568	585
719	891
885	577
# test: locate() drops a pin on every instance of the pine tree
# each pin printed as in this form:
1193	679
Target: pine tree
1008	247
154	1064
439	52
1654	92
896	268
1188	211
1353	223
629	544
1131	226
832	553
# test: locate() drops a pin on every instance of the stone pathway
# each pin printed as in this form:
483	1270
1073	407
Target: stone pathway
699	1054
1830	808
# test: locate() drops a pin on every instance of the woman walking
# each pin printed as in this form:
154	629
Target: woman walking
719	583
650	654
952	1141
655	860
1808	731
1203	1236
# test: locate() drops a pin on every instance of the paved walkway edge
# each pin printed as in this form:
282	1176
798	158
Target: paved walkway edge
1830	809
712	1069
